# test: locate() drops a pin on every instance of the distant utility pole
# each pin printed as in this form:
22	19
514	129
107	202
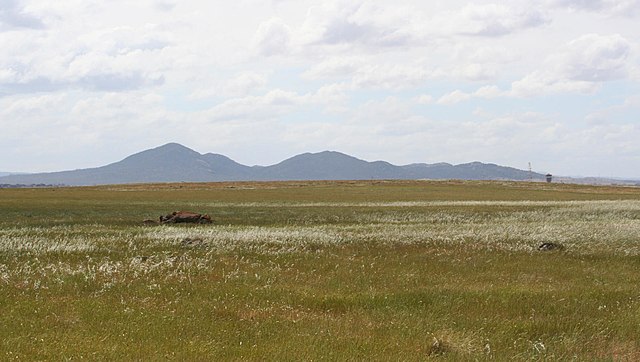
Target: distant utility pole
530	173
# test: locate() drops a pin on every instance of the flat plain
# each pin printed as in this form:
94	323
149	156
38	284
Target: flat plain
362	270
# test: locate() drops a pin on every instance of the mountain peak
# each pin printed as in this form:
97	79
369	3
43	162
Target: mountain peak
323	156
172	150
327	152
172	147
173	162
328	155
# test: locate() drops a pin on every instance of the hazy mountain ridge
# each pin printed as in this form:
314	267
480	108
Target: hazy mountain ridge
176	163
4	173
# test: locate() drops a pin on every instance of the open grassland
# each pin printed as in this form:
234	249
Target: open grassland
403	270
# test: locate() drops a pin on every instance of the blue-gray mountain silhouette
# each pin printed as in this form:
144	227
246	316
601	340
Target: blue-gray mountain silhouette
176	163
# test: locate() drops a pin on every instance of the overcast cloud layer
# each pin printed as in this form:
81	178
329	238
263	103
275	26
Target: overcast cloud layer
552	82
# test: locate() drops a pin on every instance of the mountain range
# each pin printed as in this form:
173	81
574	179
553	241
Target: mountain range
176	163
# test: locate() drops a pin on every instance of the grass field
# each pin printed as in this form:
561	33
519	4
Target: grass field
371	270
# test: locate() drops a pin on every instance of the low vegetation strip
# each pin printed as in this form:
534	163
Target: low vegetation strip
296	274
589	204
609	227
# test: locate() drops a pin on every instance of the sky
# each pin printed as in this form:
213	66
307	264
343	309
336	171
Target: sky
554	83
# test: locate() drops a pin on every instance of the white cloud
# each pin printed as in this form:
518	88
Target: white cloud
116	59
485	92
241	85
454	97
367	73
264	107
474	71
279	102
333	97
335	67
612	7
490	20
580	67
165	5
488	92
603	116
359	23
543	83
14	16
296	76
392	77
273	37
480	60
632	101
424	99
246	83
26	107
595	58
53	128
8	75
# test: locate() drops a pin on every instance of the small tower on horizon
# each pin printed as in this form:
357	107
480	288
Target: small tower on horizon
549	178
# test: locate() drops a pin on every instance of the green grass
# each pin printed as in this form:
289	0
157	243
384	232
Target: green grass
406	270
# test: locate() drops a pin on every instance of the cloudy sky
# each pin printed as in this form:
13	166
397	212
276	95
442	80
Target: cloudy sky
556	83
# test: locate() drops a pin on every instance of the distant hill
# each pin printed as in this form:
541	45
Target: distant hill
329	165
176	163
12	173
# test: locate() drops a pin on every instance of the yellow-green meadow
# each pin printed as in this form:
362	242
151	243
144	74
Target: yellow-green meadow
366	270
